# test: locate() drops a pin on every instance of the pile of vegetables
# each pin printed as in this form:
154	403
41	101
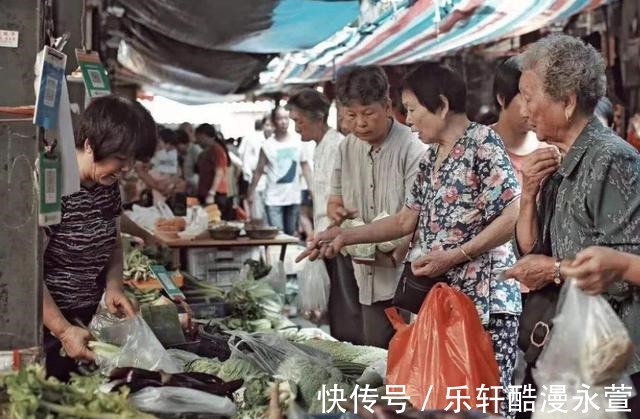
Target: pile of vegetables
137	261
32	395
347	353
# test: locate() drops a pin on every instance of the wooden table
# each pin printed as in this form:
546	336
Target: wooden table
205	241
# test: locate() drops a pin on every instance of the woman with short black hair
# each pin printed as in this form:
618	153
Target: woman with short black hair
83	255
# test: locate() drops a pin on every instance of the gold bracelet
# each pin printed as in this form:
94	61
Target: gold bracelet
469	258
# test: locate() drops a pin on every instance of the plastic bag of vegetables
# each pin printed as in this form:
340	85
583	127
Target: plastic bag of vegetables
313	284
136	345
368	250
177	400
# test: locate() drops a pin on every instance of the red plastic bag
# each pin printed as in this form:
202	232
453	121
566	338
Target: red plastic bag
445	347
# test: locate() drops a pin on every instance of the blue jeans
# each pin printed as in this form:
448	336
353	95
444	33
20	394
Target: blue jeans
284	217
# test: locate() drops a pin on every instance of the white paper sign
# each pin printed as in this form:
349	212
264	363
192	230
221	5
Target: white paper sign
8	39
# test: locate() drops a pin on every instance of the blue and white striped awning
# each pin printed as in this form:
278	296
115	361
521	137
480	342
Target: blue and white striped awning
420	31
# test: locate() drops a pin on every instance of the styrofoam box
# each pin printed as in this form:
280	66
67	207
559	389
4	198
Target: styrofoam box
220	266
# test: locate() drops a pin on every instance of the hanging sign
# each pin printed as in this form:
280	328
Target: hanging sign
95	76
50	185
51	71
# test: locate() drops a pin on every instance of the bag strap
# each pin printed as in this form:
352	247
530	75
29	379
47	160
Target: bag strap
415	230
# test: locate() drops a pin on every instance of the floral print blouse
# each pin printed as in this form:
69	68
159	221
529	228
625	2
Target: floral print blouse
475	183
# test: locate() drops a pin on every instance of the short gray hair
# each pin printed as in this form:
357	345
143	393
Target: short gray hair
568	65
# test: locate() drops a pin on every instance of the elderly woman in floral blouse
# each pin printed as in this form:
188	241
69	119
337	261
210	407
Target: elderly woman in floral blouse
466	199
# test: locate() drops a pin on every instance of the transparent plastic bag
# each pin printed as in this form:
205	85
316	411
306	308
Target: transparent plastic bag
313	284
589	345
269	350
139	347
176	400
276	277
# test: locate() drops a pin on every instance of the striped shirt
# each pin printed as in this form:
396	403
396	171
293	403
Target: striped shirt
372	181
79	248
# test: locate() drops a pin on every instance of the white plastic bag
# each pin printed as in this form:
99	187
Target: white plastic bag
139	346
276	277
588	345
313	286
176	400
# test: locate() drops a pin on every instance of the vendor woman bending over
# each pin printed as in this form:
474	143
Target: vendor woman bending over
83	256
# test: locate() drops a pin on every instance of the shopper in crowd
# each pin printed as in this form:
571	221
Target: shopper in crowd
345	123
590	196
83	254
213	165
463	203
250	154
513	126
282	159
374	172
162	174
188	128
309	110
305	222
190	151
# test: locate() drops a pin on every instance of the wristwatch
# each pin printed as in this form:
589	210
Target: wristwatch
556	272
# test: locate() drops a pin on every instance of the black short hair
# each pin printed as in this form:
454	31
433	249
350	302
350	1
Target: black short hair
506	80
364	85
208	130
115	125
430	80
168	136
181	136
310	101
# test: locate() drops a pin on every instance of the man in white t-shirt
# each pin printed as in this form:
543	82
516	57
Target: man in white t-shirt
249	152
282	159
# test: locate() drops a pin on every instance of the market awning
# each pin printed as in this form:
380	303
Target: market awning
423	31
214	46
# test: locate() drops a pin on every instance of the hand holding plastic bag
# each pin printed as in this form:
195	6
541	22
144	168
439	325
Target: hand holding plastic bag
589	345
313	283
445	347
139	347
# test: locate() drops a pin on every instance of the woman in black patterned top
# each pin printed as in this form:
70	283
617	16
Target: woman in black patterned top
83	256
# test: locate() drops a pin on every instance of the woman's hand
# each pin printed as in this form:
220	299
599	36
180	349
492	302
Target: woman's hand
323	245
536	167
74	341
595	268
117	302
436	263
533	271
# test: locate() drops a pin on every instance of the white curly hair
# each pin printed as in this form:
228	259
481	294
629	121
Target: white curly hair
568	65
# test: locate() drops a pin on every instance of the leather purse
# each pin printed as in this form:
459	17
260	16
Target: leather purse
413	290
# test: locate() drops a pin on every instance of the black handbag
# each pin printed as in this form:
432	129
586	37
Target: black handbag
536	321
413	290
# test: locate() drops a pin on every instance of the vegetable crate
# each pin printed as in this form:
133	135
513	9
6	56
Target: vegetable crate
220	266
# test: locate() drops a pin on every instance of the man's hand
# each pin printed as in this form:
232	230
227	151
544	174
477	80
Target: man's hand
339	213
74	341
533	271
117	302
596	268
436	263
536	167
323	245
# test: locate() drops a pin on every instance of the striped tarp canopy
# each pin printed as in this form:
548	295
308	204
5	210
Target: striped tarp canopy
424	30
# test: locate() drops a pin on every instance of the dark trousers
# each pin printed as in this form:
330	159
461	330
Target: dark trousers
345	310
378	330
56	364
